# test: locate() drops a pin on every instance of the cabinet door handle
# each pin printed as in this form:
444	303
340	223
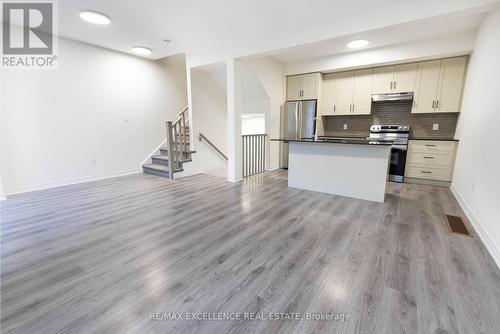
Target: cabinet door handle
437	104
433	104
430	145
426	172
334	108
353	107
391	84
395	84
428	157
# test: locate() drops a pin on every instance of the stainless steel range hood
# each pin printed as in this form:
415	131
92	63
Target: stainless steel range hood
392	97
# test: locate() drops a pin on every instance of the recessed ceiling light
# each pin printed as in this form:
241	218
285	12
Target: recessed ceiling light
94	17
357	44
141	50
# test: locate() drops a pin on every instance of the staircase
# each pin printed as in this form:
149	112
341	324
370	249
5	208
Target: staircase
176	151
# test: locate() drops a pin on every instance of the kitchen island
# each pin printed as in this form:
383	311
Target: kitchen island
347	167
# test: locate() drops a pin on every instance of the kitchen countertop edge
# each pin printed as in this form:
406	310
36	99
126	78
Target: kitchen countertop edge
343	142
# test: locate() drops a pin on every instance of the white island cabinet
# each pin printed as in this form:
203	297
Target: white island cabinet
353	170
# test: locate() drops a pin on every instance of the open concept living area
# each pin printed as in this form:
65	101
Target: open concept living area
250	166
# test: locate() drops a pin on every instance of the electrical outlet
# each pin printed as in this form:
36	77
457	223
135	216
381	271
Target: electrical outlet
92	162
345	126
435	126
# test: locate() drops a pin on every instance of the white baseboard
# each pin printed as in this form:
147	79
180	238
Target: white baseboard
66	182
478	227
2	197
187	173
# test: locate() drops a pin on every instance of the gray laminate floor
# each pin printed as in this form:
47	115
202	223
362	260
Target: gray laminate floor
101	257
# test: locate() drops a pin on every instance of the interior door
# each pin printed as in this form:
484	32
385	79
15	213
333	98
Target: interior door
382	79
427	88
345	92
329	97
293	88
307	119
405	77
362	97
450	84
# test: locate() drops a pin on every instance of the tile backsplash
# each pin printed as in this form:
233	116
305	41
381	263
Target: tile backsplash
393	112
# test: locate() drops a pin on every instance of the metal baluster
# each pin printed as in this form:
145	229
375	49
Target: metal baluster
259	163
264	153
254	166
183	135
262	144
176	149
244	154
170	150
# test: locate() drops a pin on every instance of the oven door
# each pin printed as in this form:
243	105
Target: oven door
397	163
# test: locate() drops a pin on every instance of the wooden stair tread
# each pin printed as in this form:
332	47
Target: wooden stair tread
160	168
166	149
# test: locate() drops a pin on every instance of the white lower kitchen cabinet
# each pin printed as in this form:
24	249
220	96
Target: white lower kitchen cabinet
431	160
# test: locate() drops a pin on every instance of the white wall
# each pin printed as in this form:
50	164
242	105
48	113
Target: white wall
270	74
209	112
99	114
477	172
2	194
253	124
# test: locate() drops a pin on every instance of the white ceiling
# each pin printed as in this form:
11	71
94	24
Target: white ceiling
438	26
213	30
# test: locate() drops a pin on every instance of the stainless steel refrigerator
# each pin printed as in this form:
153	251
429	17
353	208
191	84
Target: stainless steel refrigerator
298	120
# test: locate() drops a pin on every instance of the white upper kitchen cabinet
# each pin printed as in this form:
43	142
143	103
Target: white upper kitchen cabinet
330	93
405	78
293	87
310	86
424	100
303	87
440	84
451	84
395	79
345	91
362	96
383	79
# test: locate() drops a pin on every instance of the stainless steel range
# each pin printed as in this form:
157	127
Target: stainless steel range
398	135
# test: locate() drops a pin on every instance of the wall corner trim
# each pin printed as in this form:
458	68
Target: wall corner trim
478	227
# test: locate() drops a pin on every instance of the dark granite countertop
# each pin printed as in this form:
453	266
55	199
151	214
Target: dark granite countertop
357	135
335	140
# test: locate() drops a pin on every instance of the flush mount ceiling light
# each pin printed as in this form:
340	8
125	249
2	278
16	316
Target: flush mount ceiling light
94	17
141	50
357	44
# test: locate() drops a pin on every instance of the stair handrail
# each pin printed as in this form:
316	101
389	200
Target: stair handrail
203	137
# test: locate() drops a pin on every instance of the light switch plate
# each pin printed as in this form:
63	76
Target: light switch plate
435	126
345	126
